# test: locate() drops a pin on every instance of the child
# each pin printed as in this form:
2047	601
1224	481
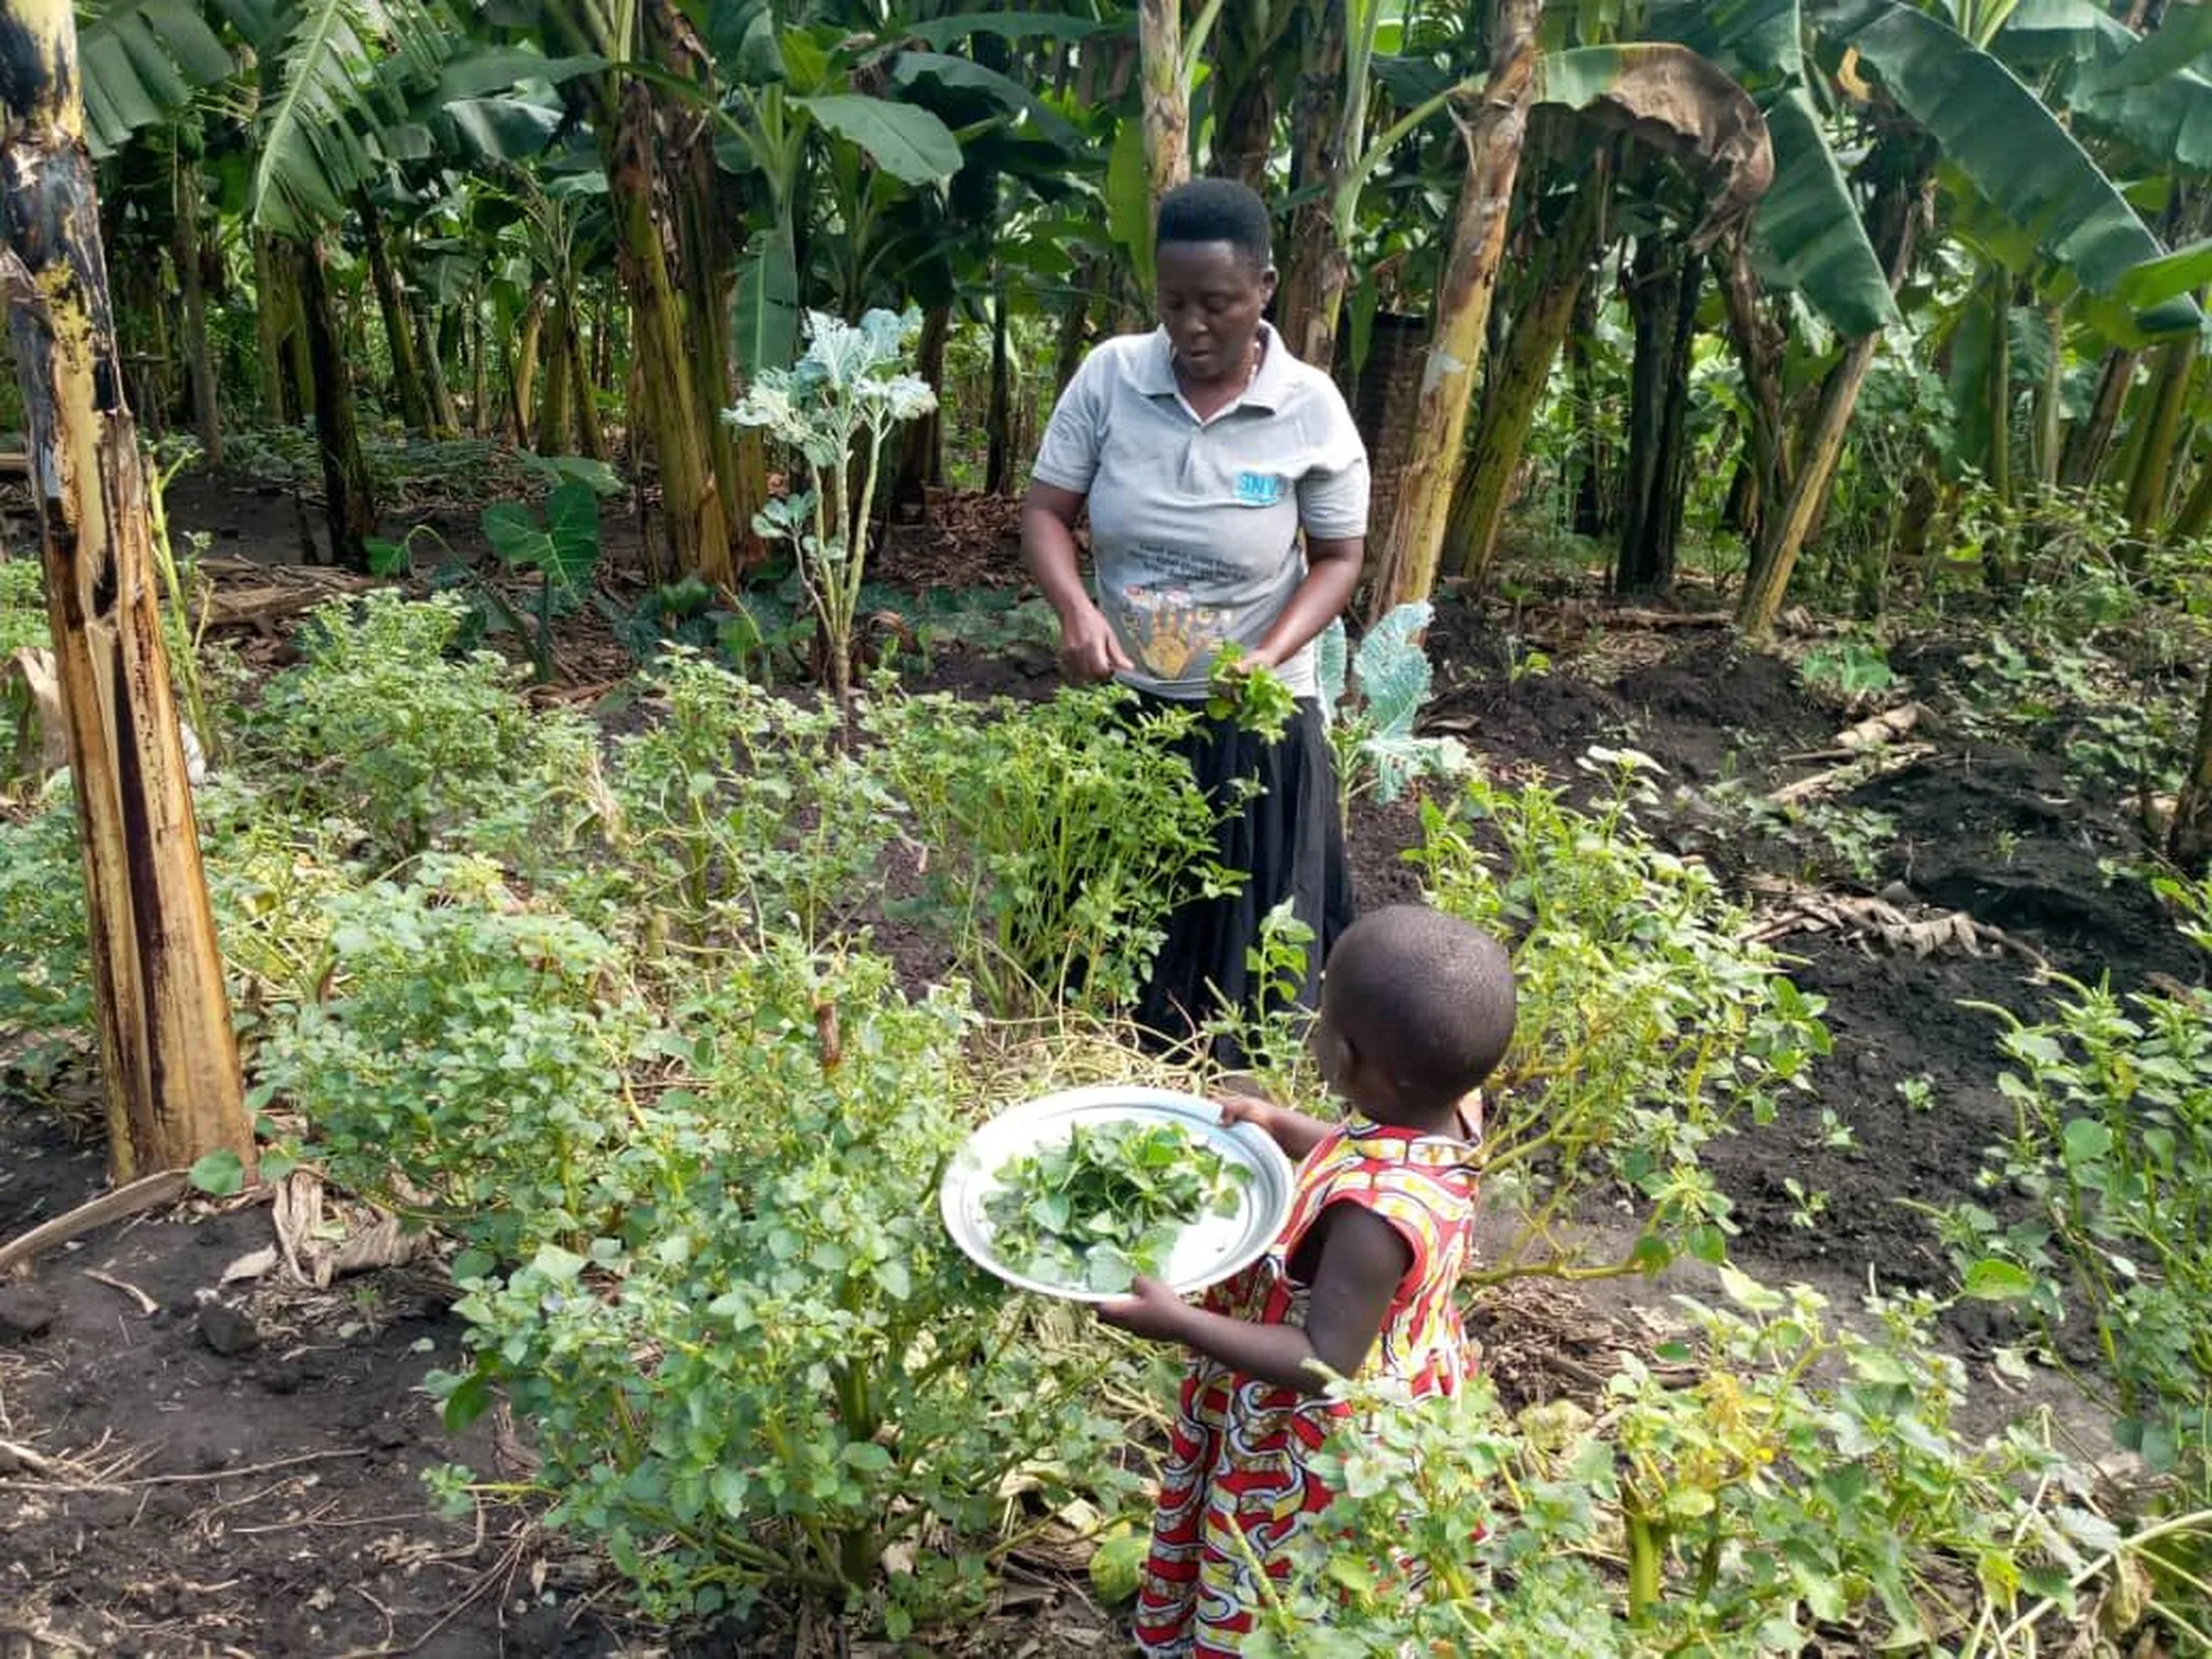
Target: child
1416	1010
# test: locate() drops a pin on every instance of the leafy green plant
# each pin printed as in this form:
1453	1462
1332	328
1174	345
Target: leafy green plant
1251	694
468	1062
776	1372
1648	1024
22	627
1748	1512
740	807
1060	835
835	408
1372	721
1108	1203
2112	1143
380	725
46	981
1850	671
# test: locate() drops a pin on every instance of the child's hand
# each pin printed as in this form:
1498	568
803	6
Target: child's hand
1150	1310
1248	1109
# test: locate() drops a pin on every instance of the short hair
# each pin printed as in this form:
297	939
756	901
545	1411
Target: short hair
1217	209
1425	997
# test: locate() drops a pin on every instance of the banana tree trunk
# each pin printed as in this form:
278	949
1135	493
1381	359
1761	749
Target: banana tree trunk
407	370
1998	388
1244	122
430	352
2189	842
1516	388
2091	440
1596	508
998	409
553	408
2159	433
1663	300
522	382
170	1062
1075	320
591	436
285	376
351	508
1900	201
1318	268
920	444
2050	400
1493	139
199	360
1167	97
674	423
707	203
2195	514
1764	474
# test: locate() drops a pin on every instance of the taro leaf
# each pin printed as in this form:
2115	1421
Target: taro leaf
906	141
571	514
386	558
598	477
564	547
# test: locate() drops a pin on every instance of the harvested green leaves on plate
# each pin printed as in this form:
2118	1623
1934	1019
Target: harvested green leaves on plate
1108	1203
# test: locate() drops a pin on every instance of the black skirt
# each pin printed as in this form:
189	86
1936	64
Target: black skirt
1286	840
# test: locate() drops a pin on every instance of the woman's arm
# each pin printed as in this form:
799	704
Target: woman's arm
1089	650
1362	1261
1332	571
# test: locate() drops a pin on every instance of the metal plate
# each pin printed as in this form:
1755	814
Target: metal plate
1208	1252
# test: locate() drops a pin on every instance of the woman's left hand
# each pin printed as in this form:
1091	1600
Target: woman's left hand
1150	1310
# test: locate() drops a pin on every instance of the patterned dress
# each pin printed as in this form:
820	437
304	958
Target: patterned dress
1237	1460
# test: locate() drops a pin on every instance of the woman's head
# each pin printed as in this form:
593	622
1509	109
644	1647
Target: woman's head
1215	274
1417	1008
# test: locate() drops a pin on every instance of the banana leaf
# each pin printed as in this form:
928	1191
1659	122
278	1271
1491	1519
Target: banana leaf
2019	159
1807	232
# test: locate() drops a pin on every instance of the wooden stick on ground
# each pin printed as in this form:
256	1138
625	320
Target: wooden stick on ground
135	1198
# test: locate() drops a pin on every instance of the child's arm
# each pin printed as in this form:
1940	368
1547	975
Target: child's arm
1362	1261
1293	1132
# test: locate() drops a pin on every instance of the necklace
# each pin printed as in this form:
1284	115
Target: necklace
1253	359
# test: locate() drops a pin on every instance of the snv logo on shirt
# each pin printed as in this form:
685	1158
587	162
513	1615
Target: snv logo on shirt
1259	489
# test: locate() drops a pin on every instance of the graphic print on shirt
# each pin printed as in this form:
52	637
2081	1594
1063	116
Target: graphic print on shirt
1164	625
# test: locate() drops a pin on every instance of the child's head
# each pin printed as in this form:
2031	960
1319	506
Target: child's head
1417	1008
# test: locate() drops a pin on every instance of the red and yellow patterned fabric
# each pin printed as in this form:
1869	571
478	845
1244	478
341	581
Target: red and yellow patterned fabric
1239	1454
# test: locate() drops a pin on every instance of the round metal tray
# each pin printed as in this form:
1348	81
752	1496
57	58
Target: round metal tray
1209	1251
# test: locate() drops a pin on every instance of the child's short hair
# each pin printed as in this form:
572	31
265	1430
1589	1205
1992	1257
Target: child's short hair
1425	996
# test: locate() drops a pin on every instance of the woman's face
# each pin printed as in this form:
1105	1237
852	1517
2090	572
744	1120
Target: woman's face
1210	302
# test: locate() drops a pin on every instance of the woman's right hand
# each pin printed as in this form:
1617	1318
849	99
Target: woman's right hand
1089	650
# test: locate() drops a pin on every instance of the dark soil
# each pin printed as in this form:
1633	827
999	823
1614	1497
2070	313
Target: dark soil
170	1520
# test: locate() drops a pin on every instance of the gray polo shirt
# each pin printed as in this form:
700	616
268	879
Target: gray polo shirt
1194	524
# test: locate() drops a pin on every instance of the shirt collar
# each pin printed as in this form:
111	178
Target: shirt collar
1268	390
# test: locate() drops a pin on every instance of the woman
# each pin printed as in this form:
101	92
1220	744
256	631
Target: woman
1204	451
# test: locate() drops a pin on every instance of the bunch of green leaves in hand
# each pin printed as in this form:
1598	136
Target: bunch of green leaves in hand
1249	693
1108	1203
